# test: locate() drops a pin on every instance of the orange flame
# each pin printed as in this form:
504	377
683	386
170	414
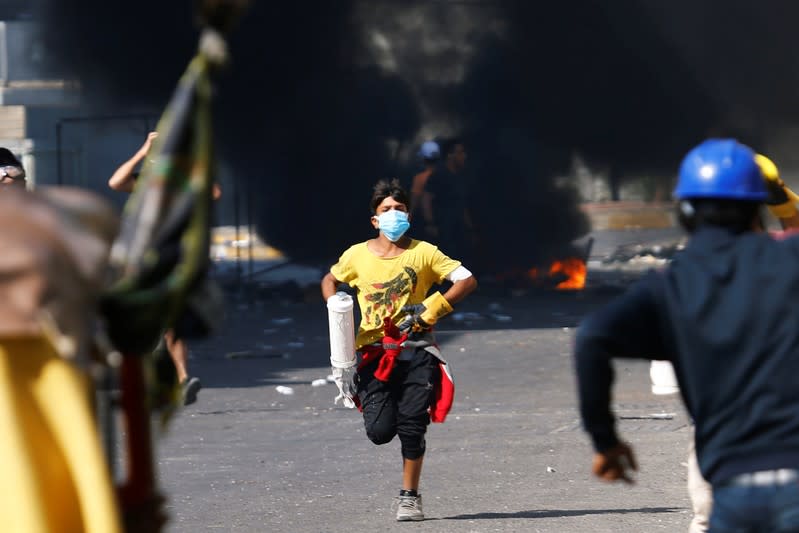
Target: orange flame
572	267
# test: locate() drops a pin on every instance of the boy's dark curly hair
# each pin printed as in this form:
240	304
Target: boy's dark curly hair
384	188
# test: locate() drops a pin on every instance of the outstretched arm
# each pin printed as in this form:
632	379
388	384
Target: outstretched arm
122	178
627	327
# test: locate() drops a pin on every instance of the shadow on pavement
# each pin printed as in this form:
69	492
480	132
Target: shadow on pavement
560	513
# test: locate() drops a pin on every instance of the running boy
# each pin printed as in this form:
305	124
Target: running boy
401	379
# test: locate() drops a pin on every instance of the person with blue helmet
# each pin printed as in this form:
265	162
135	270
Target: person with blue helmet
723	314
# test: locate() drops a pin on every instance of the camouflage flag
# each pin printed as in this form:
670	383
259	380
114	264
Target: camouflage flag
161	253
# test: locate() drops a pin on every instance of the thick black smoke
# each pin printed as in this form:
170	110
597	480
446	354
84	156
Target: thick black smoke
310	124
297	117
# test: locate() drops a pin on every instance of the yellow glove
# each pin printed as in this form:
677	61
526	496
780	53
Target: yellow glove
781	199
436	306
422	316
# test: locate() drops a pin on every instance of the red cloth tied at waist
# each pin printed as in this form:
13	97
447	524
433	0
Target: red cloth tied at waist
387	351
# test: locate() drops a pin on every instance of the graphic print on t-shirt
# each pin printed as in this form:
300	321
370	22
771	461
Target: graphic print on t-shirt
383	300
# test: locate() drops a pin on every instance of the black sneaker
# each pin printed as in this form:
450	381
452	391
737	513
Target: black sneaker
191	386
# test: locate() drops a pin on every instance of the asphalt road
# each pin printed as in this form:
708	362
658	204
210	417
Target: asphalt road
511	456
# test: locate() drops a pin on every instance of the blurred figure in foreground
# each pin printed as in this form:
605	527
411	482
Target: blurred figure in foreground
724	314
124	179
55	473
781	203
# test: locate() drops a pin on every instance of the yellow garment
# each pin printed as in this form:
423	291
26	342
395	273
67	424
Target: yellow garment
436	307
385	285
55	477
772	174
786	210
768	168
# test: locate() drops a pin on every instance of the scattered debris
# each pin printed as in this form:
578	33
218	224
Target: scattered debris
321	382
466	317
651	416
282	321
284	390
646	254
551	470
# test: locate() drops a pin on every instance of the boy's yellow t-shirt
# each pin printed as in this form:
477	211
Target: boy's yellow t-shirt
385	285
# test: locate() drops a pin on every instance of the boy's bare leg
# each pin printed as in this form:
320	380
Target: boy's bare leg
179	353
411	472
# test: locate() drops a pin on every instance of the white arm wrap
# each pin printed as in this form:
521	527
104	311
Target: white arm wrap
459	274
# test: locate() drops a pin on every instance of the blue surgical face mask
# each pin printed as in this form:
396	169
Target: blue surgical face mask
393	224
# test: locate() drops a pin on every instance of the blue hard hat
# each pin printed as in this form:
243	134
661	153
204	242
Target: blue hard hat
721	168
429	150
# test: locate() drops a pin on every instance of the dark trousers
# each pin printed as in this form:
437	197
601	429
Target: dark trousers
399	406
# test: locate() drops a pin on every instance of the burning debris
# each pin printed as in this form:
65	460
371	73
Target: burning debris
566	274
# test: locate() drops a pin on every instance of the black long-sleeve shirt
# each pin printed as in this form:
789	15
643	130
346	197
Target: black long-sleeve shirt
726	314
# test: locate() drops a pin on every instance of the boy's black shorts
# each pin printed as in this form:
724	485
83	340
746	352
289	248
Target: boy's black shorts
401	405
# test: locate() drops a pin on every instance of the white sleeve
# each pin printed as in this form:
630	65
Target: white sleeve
458	274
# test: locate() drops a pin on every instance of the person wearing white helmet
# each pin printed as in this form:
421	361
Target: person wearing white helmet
429	153
446	201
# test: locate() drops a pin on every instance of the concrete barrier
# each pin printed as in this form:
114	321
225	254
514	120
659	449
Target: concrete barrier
630	215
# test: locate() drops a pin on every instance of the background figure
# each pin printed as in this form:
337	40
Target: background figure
429	153
11	171
445	201
124	179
